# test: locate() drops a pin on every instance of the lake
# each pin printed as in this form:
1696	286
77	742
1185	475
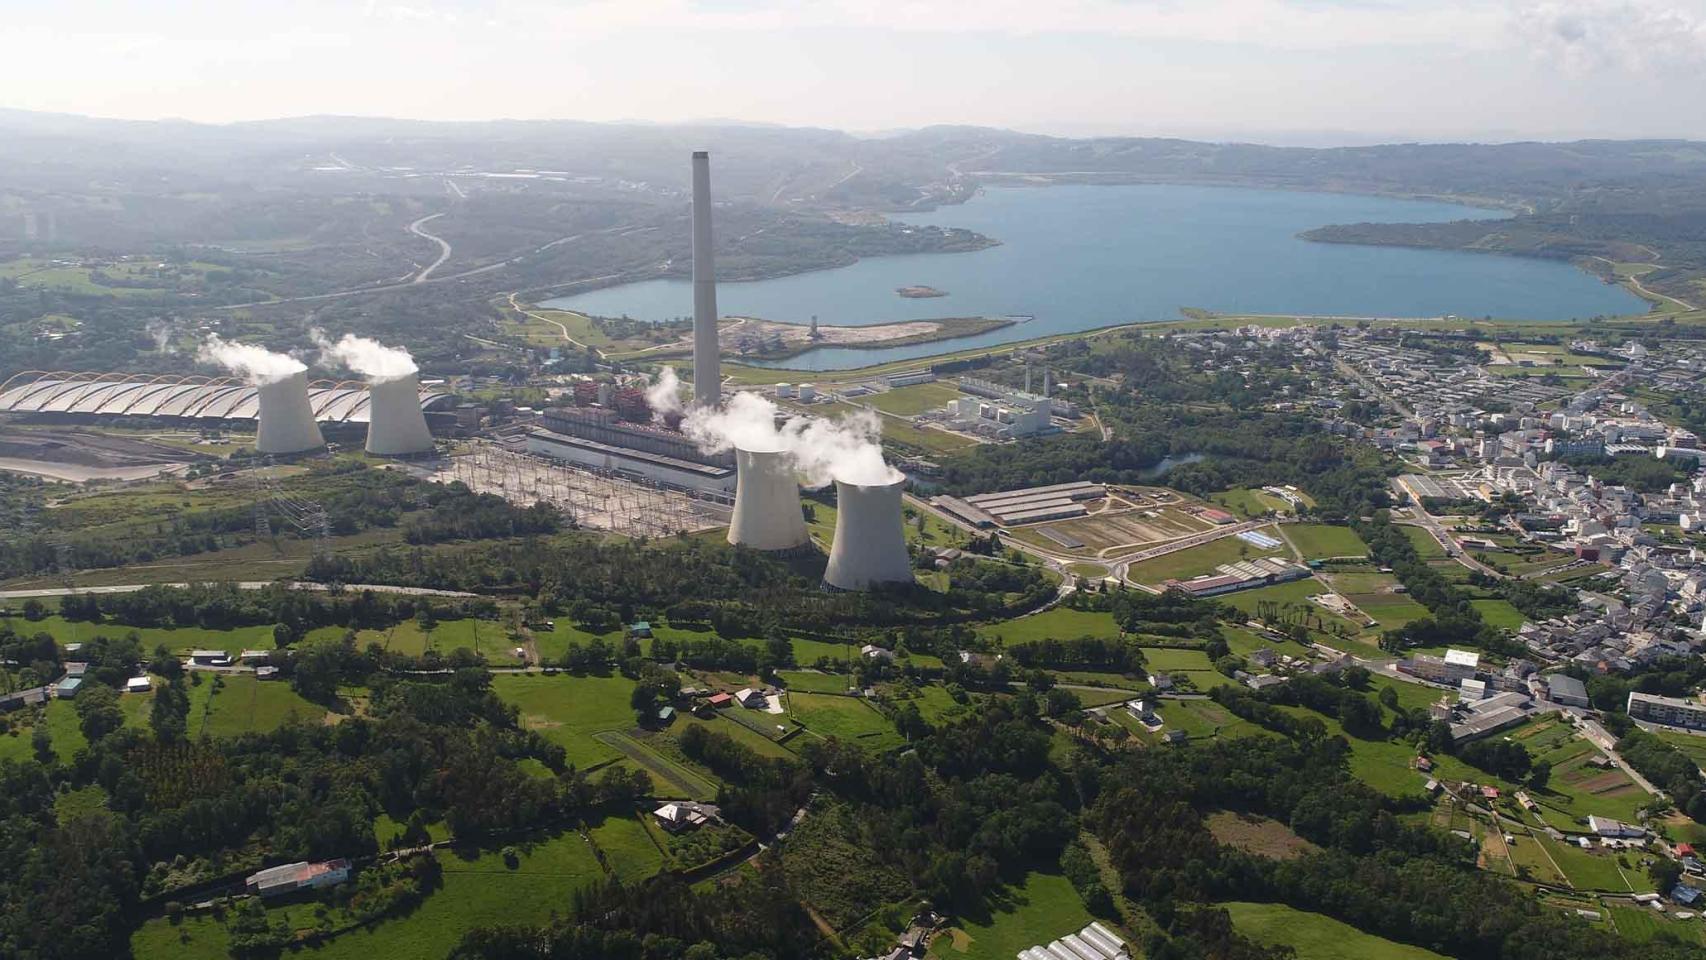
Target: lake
1080	257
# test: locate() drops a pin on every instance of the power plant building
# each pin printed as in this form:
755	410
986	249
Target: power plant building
870	546
595	437
767	512
1060	501
63	394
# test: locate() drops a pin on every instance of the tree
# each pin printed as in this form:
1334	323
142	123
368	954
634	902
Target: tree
98	712
1540	774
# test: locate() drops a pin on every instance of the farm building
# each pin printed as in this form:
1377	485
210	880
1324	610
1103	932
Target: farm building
302	875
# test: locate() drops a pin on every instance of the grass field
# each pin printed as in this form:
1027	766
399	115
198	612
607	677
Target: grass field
1426	546
811	681
1059	623
1167	659
1318	541
628	849
1576	789
1203	559
846	717
1499	613
60	717
479	890
179	640
1041	909
567	710
1317	937
246	705
915	399
1248	503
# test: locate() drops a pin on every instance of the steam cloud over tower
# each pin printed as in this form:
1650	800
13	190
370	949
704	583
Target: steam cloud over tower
870	546
707	376
396	426
767	502
281	382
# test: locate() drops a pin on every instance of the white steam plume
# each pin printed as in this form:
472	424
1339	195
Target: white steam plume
258	364
664	394
821	451
370	358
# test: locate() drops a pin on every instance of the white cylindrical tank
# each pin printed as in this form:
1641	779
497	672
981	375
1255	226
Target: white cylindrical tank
396	426
767	502
870	547
808	391
287	421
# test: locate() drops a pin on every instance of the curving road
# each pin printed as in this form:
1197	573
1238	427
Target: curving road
443	245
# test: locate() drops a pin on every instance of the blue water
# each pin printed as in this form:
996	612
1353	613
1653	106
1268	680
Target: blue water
1080	257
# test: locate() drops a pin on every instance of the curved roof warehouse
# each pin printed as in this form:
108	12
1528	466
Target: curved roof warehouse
179	397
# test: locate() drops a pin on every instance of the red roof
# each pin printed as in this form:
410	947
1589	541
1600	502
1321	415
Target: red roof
1491	793
1685	849
719	699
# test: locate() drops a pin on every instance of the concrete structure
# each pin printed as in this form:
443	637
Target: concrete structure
396	427
767	503
870	547
1567	690
707	375
1669	711
176	397
287	418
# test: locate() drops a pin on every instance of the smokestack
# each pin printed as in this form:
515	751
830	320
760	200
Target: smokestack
767	502
396	426
287	421
869	547
1046	384
707	377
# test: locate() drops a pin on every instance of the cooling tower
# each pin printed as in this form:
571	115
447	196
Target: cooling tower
397	425
767	503
707	376
869	546
287	421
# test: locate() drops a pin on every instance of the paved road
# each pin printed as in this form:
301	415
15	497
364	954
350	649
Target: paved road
1373	388
240	584
443	246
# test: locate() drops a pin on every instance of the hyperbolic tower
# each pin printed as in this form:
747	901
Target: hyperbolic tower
767	503
870	547
287	420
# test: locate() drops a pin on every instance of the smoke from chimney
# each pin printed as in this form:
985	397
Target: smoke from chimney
821	451
370	358
258	365
664	395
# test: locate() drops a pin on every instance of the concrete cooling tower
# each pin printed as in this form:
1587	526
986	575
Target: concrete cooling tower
767	503
869	547
287	421
397	426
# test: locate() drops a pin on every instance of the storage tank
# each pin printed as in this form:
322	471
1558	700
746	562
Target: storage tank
287	421
767	503
396	425
870	547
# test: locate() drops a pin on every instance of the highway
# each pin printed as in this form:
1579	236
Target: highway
443	246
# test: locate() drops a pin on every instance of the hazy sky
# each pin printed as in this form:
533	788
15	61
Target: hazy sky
1319	70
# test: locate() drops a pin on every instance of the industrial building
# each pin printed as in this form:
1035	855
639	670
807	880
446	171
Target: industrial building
1668	711
1019	416
598	438
870	546
1230	577
1030	505
63	394
1452	669
1471	719
767	512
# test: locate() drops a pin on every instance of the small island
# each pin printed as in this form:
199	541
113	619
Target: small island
920	292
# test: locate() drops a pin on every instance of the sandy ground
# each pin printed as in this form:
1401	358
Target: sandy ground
78	473
731	334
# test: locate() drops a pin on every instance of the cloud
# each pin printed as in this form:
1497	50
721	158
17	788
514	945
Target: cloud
1637	36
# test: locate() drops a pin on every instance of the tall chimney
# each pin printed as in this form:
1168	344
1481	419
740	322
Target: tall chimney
707	376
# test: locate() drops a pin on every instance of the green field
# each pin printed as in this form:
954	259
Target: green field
246	705
479	890
811	681
845	717
1199	560
1249	504
1315	936
1058	623
179	640
1499	613
567	710
915	399
1426	546
1168	659
1042	909
1318	541
60	717
627	846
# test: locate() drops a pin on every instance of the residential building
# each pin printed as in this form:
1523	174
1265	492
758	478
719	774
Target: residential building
1669	711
